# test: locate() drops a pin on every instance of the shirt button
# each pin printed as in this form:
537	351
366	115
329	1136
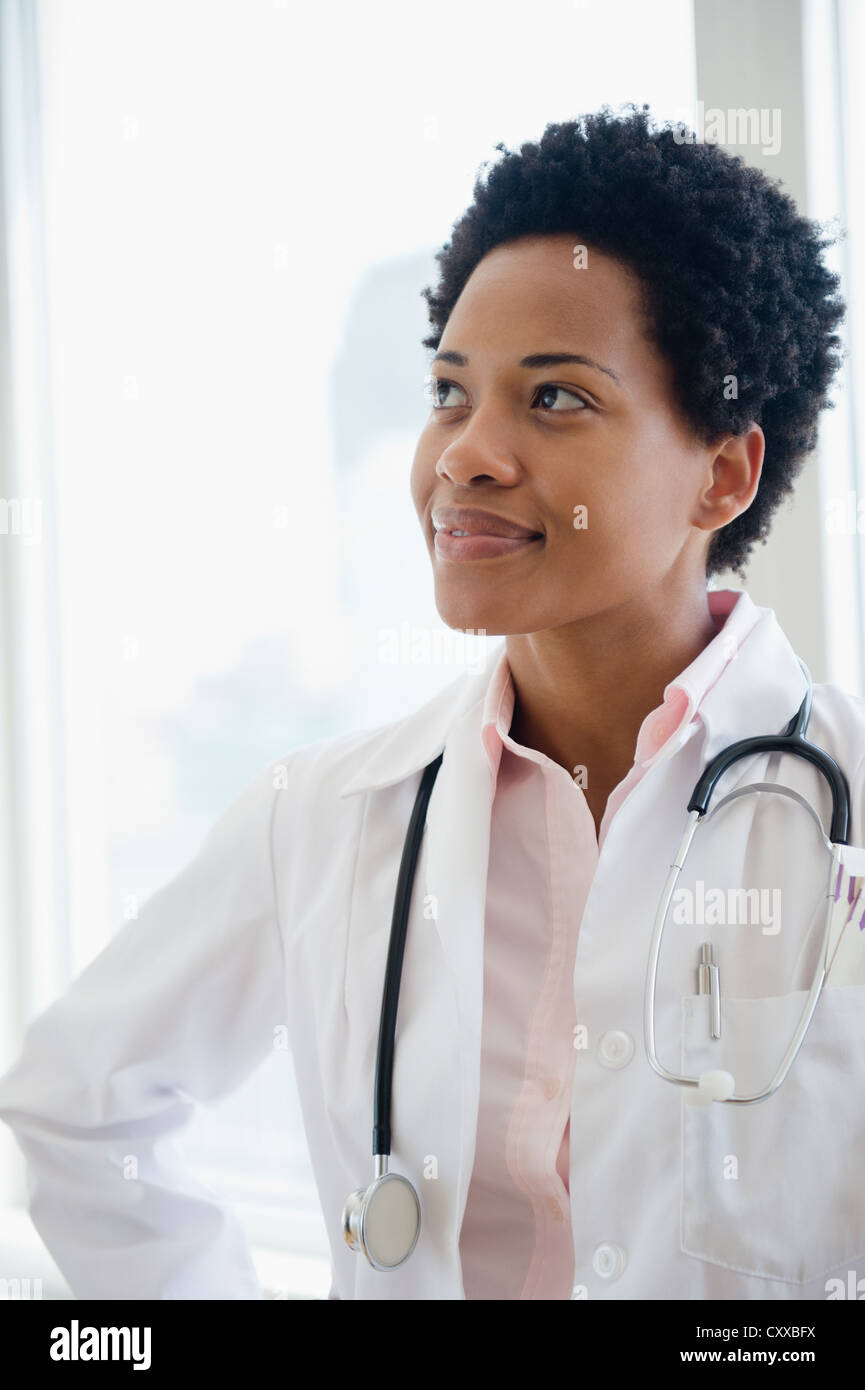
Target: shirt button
615	1048
554	1209
609	1260
551	1087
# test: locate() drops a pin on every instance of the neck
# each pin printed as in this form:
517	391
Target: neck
582	690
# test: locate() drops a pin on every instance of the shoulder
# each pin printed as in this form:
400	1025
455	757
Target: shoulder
837	726
307	789
339	763
838	723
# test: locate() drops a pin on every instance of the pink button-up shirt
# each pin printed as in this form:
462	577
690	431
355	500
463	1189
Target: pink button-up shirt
515	1240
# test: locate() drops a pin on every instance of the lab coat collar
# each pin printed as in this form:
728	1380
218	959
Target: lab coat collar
409	744
758	692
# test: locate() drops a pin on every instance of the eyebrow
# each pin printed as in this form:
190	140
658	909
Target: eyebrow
534	360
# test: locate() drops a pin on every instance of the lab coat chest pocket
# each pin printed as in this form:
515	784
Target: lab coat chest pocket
775	1189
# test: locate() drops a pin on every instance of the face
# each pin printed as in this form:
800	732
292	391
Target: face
553	432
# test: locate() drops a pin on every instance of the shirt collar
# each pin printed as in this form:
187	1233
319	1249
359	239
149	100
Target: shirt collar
747	681
734	614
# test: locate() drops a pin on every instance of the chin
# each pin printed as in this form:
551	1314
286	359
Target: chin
466	614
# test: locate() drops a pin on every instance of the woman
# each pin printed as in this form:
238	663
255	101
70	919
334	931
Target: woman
634	337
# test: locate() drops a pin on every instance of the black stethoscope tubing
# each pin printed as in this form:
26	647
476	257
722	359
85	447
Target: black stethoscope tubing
792	740
393	970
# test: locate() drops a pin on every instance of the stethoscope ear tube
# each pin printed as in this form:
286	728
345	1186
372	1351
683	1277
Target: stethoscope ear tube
791	741
719	1085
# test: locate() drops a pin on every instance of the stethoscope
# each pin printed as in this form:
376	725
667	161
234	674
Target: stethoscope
384	1219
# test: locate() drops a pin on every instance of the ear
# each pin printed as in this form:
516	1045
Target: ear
733	468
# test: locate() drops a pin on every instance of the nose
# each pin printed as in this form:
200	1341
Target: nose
476	456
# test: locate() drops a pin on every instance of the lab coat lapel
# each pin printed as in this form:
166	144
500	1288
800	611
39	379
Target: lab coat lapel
453	862
758	692
458	837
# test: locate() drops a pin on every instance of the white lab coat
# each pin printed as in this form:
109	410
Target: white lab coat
284	917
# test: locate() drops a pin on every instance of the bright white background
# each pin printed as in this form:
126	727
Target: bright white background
240	202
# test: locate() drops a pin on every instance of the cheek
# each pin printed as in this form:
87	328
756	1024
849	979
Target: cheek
590	509
421	479
632	507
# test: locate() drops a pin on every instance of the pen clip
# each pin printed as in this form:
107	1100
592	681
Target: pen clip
709	982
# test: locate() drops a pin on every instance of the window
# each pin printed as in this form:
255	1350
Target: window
240	203
834	40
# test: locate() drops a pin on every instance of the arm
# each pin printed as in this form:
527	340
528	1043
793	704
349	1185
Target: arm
179	1007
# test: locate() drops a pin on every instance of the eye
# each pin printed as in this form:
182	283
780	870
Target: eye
433	386
549	389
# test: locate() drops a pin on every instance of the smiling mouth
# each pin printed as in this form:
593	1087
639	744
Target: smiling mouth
479	545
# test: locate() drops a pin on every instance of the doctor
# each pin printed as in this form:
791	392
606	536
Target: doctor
586	464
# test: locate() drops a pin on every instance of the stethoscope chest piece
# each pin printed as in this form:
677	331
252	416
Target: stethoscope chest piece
383	1220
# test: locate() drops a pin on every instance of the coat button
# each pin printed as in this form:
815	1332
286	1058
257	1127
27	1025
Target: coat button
609	1260
616	1048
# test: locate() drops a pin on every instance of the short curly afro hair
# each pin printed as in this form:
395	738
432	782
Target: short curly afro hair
733	281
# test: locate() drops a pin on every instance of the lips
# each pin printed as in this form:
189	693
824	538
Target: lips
476	522
467	533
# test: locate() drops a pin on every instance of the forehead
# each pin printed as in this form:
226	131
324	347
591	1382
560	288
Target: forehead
531	289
